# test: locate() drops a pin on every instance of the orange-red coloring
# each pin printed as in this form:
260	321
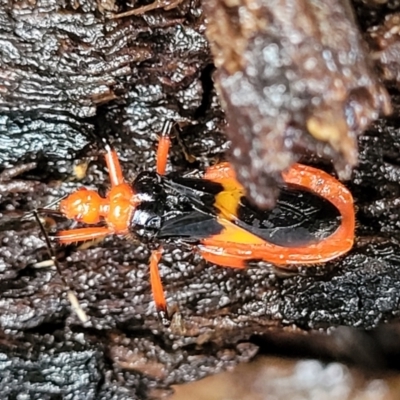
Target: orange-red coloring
313	221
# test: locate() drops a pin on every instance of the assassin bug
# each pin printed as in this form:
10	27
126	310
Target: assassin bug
312	223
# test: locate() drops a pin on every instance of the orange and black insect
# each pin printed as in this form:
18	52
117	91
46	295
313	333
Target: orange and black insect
313	220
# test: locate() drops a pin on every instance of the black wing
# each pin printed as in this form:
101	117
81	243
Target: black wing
300	216
197	221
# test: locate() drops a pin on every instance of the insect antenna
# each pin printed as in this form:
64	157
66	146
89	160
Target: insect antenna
71	295
47	211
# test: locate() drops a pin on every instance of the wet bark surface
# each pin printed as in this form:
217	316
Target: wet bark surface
70	75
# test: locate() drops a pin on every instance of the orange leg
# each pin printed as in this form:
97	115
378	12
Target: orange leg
163	147
114	167
82	234
157	286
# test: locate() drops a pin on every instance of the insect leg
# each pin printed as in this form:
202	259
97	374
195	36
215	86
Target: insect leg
82	234
113	165
163	147
157	287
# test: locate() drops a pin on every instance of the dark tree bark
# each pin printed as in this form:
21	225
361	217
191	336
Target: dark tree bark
71	75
